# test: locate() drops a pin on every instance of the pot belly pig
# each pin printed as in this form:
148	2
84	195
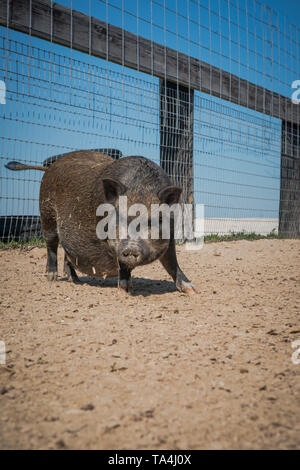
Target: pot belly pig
72	189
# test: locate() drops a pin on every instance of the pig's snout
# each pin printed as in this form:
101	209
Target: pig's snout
130	255
128	252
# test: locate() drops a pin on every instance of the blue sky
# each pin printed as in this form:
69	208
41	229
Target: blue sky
59	100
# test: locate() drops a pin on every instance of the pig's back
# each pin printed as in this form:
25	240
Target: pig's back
75	169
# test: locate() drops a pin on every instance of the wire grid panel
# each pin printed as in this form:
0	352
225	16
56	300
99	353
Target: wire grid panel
56	104
238	174
225	153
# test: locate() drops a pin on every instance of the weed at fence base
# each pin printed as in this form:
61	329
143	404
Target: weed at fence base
40	242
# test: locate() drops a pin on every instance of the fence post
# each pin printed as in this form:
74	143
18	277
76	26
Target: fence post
176	135
289	208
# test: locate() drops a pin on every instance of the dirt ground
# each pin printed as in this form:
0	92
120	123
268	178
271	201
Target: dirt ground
90	367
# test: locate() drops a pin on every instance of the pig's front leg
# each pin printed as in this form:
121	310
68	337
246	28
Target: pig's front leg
170	263
125	282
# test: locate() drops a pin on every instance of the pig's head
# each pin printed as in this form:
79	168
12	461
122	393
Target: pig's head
134	242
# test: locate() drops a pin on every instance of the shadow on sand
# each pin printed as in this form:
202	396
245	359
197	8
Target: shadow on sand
141	286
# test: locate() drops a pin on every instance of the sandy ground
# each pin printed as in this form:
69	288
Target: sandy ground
90	367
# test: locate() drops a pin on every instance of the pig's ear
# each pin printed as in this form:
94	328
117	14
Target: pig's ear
170	195
113	189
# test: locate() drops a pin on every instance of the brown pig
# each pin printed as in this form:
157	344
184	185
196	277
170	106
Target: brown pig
74	187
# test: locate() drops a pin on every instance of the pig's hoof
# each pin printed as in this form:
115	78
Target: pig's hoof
125	285
52	276
187	288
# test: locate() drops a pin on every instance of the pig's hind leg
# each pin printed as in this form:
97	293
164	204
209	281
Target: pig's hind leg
170	263
70	271
51	237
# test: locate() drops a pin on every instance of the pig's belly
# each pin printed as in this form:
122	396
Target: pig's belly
99	264
98	270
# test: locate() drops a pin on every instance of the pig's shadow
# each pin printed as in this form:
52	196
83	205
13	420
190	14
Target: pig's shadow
141	286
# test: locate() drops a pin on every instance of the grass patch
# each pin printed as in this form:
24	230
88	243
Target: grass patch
40	242
242	236
31	243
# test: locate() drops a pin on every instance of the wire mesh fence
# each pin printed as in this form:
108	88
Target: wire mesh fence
203	88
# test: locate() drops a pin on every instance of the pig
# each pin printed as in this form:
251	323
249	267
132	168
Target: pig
71	190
